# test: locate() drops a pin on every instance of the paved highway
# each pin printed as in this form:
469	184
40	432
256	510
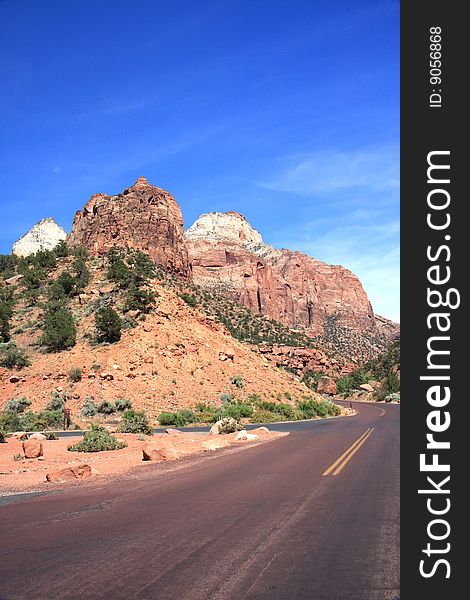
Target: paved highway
312	516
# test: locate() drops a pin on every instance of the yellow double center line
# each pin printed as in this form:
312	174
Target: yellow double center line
346	456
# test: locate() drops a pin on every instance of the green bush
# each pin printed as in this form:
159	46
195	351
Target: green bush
135	422
106	408
89	408
61	250
17	405
281	409
49	419
50	435
311	378
265	416
59	331
229	425
172	419
66	282
108	325
237	381
97	440
75	374
57	402
189	299
82	274
226	398
13	357
123	404
238	411
138	299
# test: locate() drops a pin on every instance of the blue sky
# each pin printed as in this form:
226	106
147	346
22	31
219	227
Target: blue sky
286	111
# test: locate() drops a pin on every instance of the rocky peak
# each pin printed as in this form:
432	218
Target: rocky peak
142	217
45	235
229	226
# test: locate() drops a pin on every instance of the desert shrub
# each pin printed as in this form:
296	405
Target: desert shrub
50	435
66	282
239	410
280	409
123	404
57	402
313	408
97	440
143	266
75	374
49	419
226	398
108	325
17	405
89	408
138	299
7	301
393	397
188	415
265	416
2	437
59	331
10	421
135	422
82	274
61	250
106	408
13	357
188	298
237	381
172	419
392	383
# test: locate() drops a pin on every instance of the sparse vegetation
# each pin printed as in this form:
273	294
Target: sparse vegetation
13	357
135	422
190	299
75	374
106	408
237	381
123	404
59	331
97	440
88	408
108	325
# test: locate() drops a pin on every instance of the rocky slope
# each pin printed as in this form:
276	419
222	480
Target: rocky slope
291	287
174	357
142	217
45	235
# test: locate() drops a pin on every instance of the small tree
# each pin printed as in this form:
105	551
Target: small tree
11	356
108	325
59	331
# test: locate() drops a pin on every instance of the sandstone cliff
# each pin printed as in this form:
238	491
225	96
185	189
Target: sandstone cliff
291	287
45	235
142	217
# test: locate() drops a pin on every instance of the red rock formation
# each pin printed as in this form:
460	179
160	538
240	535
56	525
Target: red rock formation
291	287
143	217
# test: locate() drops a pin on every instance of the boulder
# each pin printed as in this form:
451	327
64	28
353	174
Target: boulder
70	474
367	387
261	432
32	448
15	379
37	436
155	452
225	425
244	436
326	385
171	431
211	445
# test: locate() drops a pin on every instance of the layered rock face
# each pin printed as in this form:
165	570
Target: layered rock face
143	217
228	254
45	235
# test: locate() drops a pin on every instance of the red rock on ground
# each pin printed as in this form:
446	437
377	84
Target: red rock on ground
69	474
32	448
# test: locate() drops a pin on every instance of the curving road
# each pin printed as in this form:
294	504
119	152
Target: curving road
312	516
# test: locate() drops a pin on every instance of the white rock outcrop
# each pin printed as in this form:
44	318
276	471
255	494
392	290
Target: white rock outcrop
45	235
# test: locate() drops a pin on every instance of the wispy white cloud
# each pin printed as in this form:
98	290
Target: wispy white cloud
375	168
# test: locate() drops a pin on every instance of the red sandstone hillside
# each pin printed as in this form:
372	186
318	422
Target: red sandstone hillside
174	358
226	253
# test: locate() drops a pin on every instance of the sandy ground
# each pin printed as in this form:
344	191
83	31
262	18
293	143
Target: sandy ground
25	475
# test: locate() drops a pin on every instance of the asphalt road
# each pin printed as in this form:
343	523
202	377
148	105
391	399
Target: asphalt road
263	523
